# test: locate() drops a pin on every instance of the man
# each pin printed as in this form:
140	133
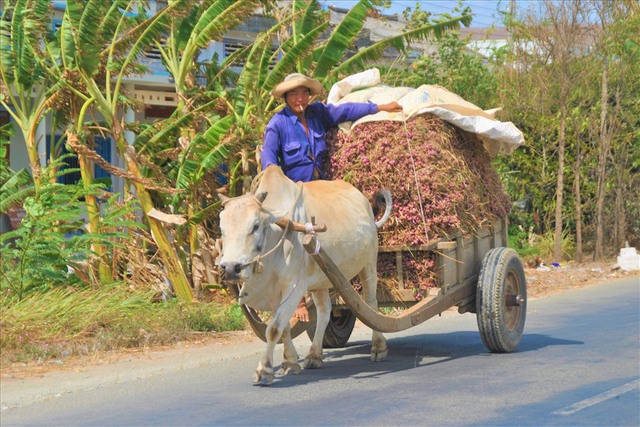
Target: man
295	136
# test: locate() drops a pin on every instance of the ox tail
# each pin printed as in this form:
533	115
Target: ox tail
382	196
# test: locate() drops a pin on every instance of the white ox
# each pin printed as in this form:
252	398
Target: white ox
275	269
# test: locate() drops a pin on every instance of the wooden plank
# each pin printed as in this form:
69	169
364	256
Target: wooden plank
483	232
443	246
398	296
460	260
477	262
505	231
446	263
399	270
429	246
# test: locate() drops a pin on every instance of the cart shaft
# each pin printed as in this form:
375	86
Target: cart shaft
415	315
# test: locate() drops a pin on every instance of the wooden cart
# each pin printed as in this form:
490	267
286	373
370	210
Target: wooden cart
478	274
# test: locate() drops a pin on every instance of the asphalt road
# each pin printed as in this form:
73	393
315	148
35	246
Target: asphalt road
578	364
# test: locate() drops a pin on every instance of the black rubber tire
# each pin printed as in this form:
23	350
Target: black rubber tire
501	300
338	330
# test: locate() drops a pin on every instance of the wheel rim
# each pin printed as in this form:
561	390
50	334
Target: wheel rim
513	302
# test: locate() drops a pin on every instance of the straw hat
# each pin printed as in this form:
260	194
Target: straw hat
296	80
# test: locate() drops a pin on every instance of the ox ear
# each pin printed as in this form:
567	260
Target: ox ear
224	199
261	196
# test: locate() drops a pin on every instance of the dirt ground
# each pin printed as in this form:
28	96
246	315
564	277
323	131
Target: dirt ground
540	283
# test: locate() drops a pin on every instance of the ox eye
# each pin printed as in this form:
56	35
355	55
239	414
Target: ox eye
255	228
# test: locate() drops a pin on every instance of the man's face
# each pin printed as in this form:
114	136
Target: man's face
297	99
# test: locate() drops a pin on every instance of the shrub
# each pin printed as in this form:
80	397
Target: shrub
51	247
38	254
545	245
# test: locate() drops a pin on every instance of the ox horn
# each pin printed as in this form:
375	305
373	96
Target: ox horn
261	196
224	199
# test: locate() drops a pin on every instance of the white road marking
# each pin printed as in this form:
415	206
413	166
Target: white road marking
572	409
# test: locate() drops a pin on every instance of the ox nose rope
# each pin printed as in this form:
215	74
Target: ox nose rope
256	262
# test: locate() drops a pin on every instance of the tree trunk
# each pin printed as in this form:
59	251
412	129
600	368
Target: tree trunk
93	211
620	159
29	133
170	258
557	252
619	216
602	165
195	256
578	201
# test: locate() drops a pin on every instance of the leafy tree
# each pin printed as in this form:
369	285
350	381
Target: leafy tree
551	88
556	36
453	66
95	60
197	118
618	55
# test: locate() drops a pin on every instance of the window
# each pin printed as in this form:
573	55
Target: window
153	52
103	148
232	46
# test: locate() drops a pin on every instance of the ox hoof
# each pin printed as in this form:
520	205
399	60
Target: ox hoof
379	355
262	378
312	362
287	367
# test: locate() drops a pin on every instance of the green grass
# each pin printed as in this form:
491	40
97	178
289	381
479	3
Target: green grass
67	321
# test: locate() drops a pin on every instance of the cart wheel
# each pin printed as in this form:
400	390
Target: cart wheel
259	326
338	330
501	300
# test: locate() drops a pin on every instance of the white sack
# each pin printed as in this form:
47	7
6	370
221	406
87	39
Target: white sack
497	136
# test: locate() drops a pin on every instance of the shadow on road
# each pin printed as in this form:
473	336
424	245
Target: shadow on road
411	352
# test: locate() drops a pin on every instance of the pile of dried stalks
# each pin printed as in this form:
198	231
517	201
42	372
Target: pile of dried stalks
441	180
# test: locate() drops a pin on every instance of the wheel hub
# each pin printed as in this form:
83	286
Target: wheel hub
514	300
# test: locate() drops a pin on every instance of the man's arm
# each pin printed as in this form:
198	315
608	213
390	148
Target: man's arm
352	111
271	148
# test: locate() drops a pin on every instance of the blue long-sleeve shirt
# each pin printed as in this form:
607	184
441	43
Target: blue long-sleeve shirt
287	145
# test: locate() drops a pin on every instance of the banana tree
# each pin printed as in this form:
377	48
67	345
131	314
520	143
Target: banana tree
188	33
100	44
25	67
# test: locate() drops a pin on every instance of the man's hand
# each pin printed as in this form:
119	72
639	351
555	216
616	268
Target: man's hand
392	107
